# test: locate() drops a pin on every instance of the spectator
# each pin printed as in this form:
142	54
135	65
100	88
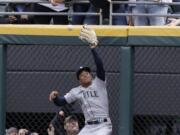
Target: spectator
174	22
175	10
12	131
92	20
6	19
89	19
94	7
47	7
51	130
120	20
58	121
21	7
100	4
117	8
96	3
2	17
23	131
71	125
79	7
149	9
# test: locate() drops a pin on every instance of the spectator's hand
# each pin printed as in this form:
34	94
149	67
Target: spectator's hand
88	35
53	95
12	19
24	18
173	22
50	130
23	131
61	113
56	2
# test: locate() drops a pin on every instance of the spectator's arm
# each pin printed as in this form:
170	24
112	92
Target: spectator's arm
51	130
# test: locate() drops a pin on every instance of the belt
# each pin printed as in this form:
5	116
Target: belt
98	121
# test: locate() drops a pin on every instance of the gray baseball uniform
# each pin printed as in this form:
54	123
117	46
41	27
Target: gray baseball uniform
94	102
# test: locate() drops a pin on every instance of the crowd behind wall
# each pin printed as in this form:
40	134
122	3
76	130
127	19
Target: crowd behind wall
92	7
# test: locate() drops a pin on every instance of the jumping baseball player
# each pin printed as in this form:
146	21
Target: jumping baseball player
91	93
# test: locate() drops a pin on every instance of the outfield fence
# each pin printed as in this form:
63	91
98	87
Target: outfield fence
142	69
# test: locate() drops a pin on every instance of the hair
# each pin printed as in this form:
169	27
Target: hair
11	130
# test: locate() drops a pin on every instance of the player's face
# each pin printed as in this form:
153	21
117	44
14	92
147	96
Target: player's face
85	78
72	127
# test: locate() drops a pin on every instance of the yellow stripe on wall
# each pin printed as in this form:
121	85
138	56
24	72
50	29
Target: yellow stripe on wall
154	31
111	31
60	30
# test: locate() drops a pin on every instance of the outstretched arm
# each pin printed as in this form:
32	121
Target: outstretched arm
100	72
88	35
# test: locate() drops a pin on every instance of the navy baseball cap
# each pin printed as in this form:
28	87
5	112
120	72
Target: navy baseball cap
79	71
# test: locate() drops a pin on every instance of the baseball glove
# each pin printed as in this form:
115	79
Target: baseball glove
88	35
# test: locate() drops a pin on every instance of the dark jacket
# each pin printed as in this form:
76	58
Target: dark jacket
101	3
175	8
3	18
58	121
21	7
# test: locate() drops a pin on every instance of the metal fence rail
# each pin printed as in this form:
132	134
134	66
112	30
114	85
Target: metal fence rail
111	13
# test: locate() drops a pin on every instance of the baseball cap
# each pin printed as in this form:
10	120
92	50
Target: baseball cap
82	69
69	118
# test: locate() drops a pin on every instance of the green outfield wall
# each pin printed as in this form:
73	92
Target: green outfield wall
142	64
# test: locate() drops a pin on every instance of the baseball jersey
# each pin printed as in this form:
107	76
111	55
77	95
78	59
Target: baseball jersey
93	99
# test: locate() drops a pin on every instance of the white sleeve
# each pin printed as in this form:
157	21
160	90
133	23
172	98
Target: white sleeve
70	97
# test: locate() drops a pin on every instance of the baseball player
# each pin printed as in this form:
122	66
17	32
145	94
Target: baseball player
91	93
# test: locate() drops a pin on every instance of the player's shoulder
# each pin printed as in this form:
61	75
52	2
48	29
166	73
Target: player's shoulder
75	90
97	79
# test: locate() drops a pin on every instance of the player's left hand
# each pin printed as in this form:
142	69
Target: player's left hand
88	35
53	95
